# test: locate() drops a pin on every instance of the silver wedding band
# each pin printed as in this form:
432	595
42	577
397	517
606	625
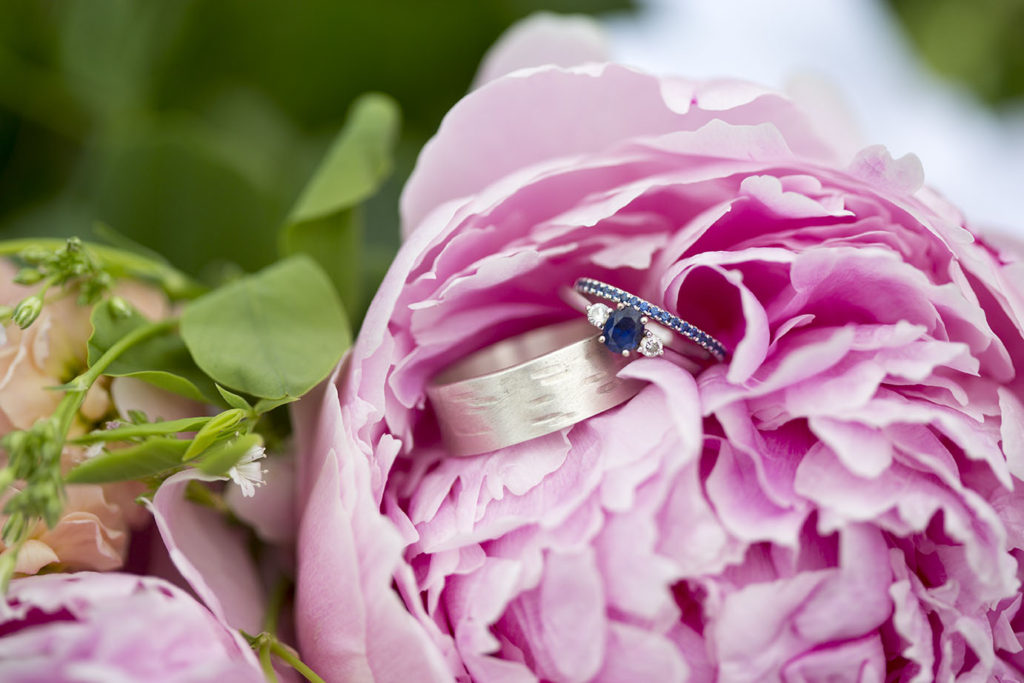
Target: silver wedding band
527	386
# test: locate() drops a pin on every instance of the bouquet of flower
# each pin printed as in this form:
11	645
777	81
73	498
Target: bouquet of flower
668	381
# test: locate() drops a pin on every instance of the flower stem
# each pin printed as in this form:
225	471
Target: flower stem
79	386
133	431
274	604
292	658
283	652
196	493
139	334
174	282
266	663
267	643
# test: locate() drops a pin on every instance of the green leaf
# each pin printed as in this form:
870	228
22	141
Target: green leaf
265	405
274	334
234	400
324	222
150	457
162	361
225	456
135	431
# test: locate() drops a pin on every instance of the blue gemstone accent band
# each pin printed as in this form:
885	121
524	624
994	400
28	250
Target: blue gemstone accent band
586	285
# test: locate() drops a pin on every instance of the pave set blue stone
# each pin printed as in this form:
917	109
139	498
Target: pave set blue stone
624	328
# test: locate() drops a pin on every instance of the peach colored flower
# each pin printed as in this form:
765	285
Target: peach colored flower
94	528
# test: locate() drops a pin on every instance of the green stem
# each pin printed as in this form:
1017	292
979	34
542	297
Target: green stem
200	495
174	282
266	663
277	596
139	334
10	559
188	424
292	658
47	283
283	652
79	387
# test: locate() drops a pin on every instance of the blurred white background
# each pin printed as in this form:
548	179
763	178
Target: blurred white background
971	154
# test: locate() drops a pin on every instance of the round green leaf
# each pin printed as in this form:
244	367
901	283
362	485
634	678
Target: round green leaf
274	334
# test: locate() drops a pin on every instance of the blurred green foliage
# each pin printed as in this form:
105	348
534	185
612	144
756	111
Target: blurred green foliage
979	43
190	126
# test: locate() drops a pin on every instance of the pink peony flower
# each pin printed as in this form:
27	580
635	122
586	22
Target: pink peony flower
94	530
839	501
115	627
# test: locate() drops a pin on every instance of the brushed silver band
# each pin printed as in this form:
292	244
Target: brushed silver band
527	386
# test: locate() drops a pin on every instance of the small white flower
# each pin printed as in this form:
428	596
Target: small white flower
93	450
248	474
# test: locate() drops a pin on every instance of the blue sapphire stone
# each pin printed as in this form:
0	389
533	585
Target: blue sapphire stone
623	330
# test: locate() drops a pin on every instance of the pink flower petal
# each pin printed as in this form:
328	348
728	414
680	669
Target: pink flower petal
857	661
865	450
875	165
543	39
115	627
636	654
212	555
271	510
349	621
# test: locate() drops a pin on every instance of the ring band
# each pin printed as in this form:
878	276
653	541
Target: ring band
648	311
527	386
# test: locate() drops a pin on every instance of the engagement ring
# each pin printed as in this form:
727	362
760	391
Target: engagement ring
627	327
